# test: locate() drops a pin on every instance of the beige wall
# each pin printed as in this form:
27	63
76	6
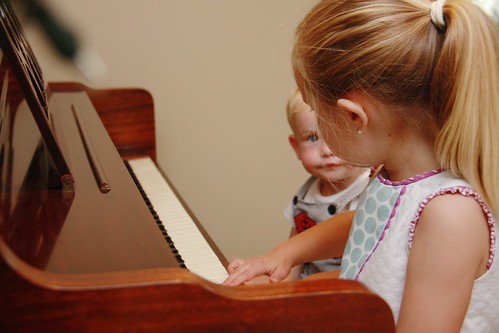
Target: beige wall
219	71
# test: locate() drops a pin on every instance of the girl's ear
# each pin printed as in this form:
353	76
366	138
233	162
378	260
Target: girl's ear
356	113
294	144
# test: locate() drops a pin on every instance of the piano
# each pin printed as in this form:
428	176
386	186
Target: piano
94	237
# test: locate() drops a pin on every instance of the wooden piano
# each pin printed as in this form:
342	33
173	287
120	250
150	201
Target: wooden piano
93	238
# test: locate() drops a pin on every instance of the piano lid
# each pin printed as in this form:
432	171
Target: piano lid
23	87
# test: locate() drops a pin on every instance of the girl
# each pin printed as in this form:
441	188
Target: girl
412	85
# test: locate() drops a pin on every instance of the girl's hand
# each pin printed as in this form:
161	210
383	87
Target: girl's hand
272	264
325	240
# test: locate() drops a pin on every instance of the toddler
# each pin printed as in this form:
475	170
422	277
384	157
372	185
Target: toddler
332	188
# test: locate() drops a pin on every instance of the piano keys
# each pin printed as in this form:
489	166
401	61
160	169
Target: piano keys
187	239
79	259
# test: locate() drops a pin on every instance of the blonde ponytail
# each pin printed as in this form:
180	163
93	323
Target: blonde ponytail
465	90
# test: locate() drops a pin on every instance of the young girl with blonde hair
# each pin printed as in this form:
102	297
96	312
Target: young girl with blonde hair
412	85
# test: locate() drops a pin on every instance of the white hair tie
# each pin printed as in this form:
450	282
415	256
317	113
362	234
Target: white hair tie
437	14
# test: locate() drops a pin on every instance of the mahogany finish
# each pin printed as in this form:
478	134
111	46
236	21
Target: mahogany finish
127	114
172	300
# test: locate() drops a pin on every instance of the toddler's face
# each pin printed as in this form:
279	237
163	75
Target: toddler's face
314	153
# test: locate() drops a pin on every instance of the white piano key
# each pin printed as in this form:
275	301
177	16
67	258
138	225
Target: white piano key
197	254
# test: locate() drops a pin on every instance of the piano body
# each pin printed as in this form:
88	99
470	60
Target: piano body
81	250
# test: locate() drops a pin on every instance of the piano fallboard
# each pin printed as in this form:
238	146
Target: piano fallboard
93	232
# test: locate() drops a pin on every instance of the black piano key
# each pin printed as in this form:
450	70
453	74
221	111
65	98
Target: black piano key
161	226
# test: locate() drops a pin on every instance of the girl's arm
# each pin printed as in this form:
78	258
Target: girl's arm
450	250
325	240
295	272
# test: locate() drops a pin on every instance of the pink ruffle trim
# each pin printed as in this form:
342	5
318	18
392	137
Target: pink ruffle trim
466	191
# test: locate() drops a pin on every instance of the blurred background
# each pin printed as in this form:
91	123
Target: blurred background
220	74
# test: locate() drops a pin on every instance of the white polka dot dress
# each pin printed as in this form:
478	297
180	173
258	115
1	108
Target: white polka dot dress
379	244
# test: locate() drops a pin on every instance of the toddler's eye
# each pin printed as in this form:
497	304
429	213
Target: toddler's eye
313	138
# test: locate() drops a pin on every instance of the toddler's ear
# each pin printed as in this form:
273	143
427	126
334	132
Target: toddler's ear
294	144
356	113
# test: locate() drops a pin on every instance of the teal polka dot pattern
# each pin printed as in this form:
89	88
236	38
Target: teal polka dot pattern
372	214
383	212
358	237
370	225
